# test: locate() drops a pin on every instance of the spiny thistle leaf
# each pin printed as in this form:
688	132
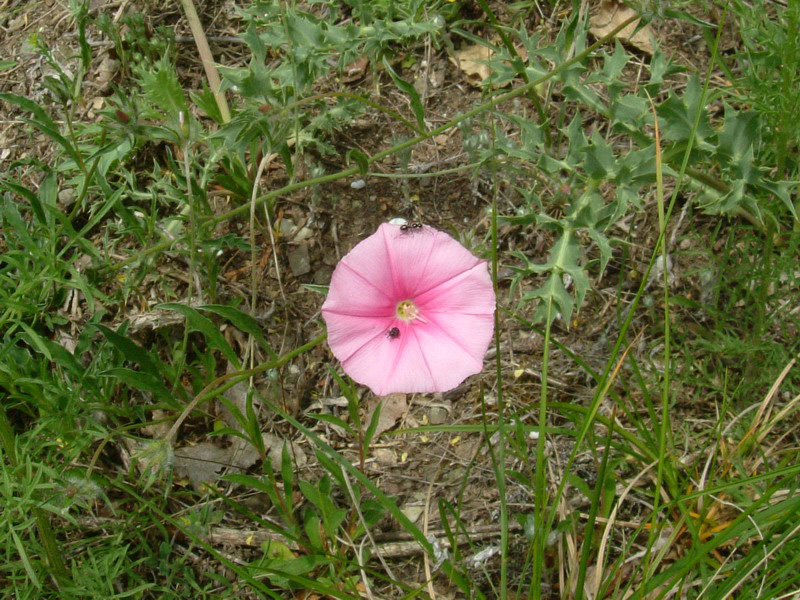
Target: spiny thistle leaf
162	89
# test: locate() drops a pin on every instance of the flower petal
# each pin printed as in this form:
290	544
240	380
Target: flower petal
347	334
462	338
389	365
469	292
352	293
422	260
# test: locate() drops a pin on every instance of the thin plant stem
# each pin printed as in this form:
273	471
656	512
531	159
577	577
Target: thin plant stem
253	271
206	58
500	466
187	173
665	382
540	483
663	219
588	531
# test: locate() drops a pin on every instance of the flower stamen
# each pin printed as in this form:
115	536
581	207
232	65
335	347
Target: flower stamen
408	311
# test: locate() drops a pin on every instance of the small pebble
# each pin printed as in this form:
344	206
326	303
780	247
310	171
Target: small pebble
299	261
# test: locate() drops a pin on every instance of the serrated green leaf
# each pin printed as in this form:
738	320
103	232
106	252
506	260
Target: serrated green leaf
781	191
163	89
603	245
677	115
599	163
738	135
577	141
611	73
303	32
205	101
255	43
575	89
552	291
629	113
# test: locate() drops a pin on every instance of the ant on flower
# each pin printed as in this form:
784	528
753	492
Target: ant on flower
411	228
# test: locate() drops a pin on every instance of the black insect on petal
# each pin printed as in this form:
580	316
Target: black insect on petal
411	228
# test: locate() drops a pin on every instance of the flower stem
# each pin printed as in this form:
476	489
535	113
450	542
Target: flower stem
541	522
500	463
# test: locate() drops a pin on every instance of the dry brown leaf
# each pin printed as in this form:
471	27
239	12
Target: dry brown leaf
274	446
356	69
159	425
154	320
204	462
393	407
611	14
471	60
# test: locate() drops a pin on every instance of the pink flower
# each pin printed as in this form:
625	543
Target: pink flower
410	310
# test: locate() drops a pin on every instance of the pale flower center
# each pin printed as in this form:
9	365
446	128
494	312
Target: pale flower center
408	311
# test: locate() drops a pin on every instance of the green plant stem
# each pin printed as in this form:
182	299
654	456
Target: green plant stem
310	99
48	539
541	524
588	530
206	58
500	465
187	173
665	382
